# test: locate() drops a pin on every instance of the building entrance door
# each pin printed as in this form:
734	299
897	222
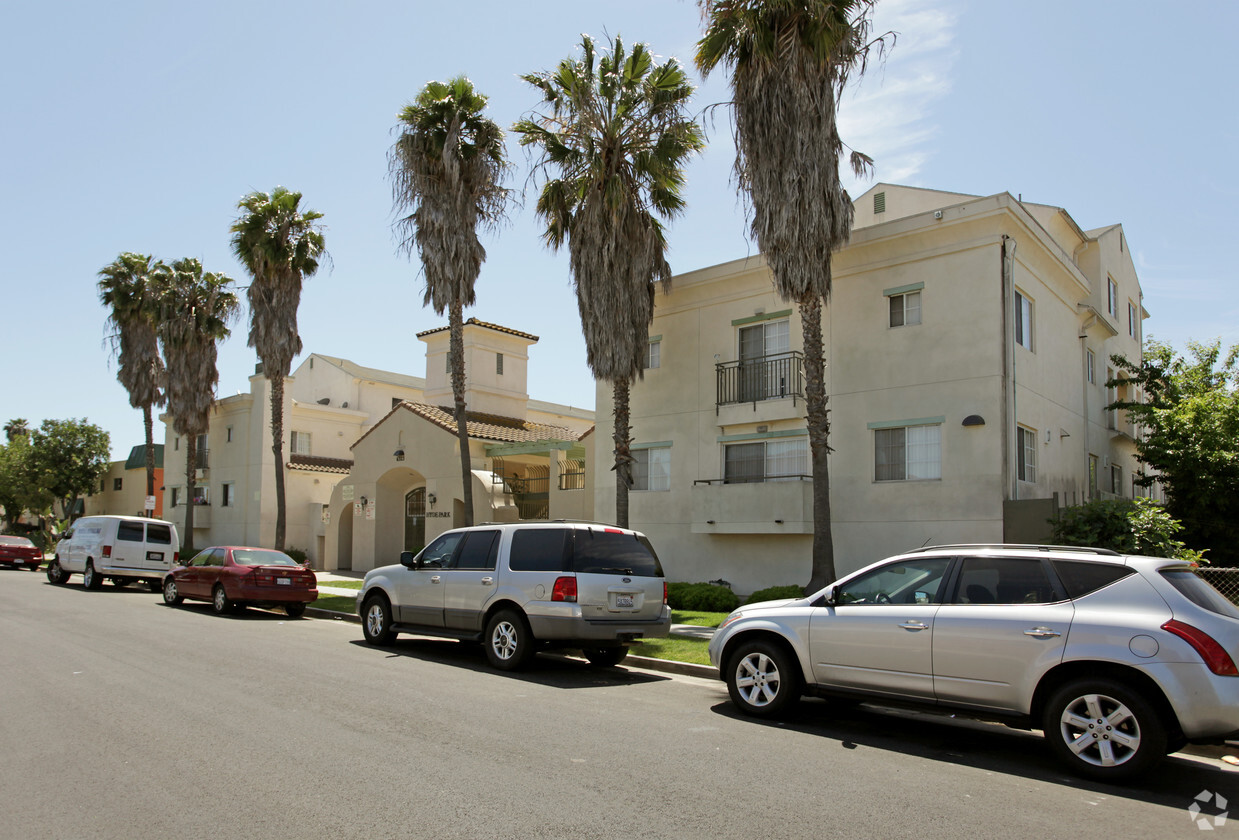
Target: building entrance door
415	520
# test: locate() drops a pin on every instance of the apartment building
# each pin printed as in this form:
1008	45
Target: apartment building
967	343
122	489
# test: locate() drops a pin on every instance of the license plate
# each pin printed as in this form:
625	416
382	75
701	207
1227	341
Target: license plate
284	581
155	556
623	602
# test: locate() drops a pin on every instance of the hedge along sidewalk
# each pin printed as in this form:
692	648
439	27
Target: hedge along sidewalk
685	631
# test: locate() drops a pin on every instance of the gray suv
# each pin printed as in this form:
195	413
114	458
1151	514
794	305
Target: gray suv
1117	659
522	587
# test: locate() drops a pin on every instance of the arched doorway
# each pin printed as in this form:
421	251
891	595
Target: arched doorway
415	520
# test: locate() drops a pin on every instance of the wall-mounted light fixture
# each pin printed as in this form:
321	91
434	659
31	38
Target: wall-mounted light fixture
431	498
399	453
363	501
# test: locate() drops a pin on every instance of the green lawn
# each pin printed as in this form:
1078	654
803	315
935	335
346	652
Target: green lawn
342	584
675	648
699	619
336	603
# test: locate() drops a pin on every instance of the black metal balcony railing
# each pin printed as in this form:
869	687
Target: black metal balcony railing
203	459
751	479
766	378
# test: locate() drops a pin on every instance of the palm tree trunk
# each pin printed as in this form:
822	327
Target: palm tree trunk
456	350
149	422
818	422
191	480
623	453
277	448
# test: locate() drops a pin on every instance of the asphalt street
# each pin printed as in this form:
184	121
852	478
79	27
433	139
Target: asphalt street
123	718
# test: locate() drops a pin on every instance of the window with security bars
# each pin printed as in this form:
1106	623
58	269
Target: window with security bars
1026	454
767	460
905	309
908	453
651	468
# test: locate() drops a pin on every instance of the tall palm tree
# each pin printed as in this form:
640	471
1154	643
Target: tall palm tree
790	61
17	427
125	288
195	310
280	244
447	167
615	131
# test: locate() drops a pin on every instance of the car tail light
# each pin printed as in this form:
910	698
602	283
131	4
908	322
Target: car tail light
564	590
1214	655
176	558
664	592
107	551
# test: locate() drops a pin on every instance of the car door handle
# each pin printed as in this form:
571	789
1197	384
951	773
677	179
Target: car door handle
487	581
914	625
1042	633
434	578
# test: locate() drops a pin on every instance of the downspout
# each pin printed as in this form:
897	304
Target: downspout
1084	328
1008	353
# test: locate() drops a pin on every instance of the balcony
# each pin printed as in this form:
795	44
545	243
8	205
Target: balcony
760	390
778	506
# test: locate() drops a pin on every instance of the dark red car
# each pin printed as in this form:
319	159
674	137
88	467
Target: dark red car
235	577
18	552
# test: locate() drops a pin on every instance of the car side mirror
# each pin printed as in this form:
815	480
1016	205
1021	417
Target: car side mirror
407	559
828	596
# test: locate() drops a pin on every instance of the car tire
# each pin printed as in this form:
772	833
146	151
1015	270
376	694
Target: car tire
170	595
56	573
762	679
1103	730
90	578
607	657
376	621
294	610
509	642
220	602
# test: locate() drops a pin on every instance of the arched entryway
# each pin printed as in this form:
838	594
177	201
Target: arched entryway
415	520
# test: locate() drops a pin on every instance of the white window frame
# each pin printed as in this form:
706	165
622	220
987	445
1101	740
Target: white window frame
1026	454
653	353
176	496
1116	479
1091	362
1131	320
1025	320
1112	297
228	494
904	307
920	444
651	468
295	446
783	458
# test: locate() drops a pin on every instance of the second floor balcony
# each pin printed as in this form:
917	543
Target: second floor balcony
776	377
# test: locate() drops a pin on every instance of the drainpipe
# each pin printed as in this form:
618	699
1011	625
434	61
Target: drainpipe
1084	328
1009	417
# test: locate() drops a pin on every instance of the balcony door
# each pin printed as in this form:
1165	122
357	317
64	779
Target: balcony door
765	359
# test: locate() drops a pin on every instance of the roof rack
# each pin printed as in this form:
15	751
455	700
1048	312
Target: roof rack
1026	546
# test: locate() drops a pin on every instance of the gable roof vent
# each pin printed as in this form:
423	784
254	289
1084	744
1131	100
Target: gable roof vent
879	202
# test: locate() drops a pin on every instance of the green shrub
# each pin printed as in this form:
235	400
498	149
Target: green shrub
701	597
1128	526
297	554
776	593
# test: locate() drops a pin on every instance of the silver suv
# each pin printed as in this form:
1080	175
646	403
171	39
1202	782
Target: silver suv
521	587
1117	659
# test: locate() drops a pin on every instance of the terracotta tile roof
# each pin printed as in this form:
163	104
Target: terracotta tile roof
475	322
491	426
313	463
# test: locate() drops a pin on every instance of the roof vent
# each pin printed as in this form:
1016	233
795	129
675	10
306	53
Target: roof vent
879	202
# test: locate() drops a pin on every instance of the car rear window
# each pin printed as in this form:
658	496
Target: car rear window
22	541
1082	578
537	550
129	531
614	553
261	557
1200	592
161	534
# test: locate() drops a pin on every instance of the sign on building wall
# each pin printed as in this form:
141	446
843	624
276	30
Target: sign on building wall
346	492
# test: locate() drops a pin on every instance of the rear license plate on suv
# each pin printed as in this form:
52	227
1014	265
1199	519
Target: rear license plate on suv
623	602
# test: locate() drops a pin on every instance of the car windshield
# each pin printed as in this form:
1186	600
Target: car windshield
261	557
22	541
1201	592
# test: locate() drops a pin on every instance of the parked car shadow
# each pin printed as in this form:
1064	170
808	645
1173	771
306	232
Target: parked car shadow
248	614
549	669
986	746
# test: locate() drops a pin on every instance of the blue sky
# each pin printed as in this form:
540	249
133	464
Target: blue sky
138	125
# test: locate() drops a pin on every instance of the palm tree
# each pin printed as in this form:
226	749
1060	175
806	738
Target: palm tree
195	310
125	288
790	61
17	427
280	245
447	166
616	133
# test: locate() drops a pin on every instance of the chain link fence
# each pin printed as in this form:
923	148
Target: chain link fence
1225	581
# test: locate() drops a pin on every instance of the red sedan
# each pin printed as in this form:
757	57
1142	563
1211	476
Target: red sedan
235	577
18	552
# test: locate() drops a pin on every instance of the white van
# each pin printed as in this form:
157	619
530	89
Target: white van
120	548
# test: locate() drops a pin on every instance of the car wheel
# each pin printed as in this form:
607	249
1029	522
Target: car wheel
762	679
376	621
220	602
56	573
170	596
509	644
294	610
1103	730
90	578
606	657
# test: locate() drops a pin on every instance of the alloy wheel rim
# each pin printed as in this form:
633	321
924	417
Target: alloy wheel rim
169	591
504	640
757	679
220	600
1100	730
374	620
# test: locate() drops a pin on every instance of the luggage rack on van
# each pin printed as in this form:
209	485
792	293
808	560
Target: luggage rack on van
1078	549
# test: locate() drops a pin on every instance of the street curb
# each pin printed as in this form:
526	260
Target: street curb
649	663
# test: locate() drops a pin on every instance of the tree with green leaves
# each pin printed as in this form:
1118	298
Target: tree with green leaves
125	288
790	61
1186	408
447	168
66	460
20	490
196	308
612	140
280	244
